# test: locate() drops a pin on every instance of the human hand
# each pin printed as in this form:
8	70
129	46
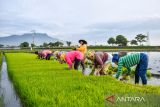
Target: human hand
114	75
122	78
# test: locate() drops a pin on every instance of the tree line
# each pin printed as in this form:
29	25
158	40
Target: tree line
51	44
121	40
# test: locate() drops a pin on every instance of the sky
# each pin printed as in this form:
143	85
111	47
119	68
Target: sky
71	20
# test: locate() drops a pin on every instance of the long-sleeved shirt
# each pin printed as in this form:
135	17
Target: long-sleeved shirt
62	56
82	48
128	61
70	57
100	58
45	53
58	55
40	54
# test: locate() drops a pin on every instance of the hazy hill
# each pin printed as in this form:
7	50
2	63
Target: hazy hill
15	40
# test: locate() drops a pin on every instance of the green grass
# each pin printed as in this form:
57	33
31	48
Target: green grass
42	83
0	76
0	101
0	59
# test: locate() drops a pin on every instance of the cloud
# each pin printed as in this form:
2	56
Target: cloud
93	20
128	26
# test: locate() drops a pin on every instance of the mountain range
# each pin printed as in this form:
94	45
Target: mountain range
16	40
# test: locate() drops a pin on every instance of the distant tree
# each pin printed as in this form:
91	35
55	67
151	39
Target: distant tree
121	40
134	42
45	44
24	45
33	45
141	38
69	43
1	45
61	44
51	44
111	41
40	45
57	44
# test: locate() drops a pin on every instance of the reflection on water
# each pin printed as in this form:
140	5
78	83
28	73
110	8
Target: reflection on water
87	70
10	99
154	62
150	81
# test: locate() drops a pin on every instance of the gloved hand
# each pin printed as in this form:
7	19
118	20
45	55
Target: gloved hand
70	67
122	78
114	75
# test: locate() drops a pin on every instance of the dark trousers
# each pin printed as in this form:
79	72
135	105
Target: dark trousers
77	62
48	56
142	69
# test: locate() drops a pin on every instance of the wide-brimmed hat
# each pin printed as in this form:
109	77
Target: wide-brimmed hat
56	52
62	57
89	53
85	42
115	58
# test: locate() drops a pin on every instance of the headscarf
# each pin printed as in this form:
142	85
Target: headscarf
115	58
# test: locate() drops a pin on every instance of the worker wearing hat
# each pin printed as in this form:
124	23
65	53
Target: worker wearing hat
83	49
100	60
60	56
139	59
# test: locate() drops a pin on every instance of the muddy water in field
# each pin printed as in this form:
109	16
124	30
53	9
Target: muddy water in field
7	92
150	81
154	65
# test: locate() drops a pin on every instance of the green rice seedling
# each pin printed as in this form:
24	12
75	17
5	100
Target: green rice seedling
149	73
88	62
133	71
0	59
1	102
127	78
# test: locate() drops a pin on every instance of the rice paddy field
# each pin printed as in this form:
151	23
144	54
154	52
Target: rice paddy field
0	59
43	83
0	69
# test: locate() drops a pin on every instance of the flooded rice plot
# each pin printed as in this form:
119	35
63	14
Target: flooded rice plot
11	99
154	65
7	92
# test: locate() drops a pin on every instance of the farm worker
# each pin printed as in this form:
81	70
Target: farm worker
74	57
139	59
83	49
60	56
47	54
101	61
39	53
56	54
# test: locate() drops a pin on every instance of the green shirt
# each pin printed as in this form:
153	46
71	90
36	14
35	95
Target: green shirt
128	61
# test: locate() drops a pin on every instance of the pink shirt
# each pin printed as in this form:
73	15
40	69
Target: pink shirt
46	52
70	57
